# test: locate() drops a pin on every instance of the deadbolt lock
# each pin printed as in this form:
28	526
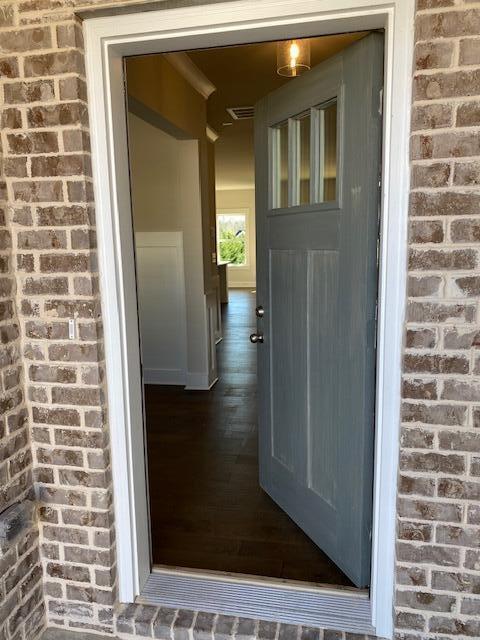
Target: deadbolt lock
259	311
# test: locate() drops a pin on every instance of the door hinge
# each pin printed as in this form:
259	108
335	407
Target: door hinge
380	102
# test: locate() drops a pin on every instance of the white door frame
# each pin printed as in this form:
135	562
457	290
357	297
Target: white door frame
107	41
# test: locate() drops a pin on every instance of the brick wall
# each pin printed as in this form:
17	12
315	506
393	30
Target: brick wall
22	611
50	219
47	170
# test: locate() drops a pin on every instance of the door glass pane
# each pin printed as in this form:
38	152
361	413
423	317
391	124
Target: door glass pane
314	171
304	159
280	165
328	153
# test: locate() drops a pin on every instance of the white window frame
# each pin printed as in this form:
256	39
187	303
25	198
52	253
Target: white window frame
107	40
231	212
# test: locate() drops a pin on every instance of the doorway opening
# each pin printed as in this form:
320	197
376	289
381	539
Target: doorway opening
207	508
219	501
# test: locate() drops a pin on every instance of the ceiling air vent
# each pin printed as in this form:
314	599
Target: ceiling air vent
241	113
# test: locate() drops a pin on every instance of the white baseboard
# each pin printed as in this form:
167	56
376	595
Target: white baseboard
241	285
198	382
191	381
164	376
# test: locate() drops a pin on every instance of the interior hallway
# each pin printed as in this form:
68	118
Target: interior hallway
207	508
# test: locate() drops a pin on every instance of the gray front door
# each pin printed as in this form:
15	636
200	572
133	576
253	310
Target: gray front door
318	150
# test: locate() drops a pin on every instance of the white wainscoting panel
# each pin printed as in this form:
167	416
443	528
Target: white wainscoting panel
162	310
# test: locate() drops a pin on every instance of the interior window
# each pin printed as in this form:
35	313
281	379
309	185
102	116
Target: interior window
232	238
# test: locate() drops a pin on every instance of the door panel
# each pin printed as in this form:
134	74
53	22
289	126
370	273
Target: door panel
322	445
287	268
317	147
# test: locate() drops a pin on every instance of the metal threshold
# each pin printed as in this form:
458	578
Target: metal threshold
63	634
277	600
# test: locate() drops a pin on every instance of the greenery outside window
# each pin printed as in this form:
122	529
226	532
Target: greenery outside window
232	238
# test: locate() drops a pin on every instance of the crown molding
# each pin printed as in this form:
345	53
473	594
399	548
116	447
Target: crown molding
189	70
212	135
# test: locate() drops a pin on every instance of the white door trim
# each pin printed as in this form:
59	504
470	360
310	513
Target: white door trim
107	40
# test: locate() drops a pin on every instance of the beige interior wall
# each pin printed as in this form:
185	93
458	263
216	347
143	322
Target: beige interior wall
241	199
166	196
154	82
212	209
154	167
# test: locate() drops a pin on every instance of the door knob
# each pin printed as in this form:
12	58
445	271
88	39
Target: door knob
256	337
259	311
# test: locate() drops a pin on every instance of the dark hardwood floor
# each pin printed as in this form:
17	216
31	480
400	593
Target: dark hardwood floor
207	508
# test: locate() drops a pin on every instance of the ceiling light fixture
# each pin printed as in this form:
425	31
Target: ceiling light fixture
293	57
